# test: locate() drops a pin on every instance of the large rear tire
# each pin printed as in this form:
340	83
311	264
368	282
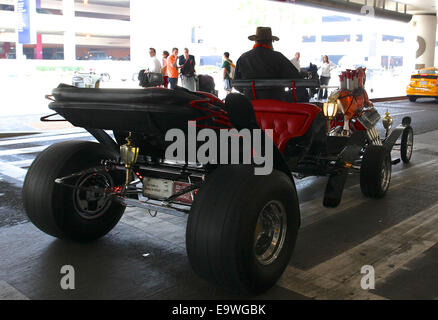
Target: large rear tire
64	212
412	98
242	228
375	171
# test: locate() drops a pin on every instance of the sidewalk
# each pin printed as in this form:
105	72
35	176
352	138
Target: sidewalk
11	126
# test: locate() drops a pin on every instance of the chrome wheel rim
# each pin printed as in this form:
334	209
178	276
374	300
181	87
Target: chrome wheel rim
270	232
386	174
409	145
89	198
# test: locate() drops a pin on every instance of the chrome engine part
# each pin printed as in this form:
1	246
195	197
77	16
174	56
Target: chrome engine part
369	118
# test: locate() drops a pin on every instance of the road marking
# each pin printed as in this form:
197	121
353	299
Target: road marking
313	211
8	292
23	150
403	113
386	252
12	171
22	163
45	138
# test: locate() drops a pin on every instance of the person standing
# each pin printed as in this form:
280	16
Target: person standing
326	69
227	76
187	65
164	70
296	61
172	68
154	65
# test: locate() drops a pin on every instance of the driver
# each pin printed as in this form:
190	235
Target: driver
262	62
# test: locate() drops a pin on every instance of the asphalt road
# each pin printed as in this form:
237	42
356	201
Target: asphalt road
145	258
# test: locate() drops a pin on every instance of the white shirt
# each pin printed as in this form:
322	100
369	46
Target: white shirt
326	68
296	63
153	65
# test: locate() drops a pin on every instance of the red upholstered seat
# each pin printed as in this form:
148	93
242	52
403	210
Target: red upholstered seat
288	120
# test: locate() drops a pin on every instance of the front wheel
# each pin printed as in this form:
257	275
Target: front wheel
82	213
407	144
242	228
412	98
375	171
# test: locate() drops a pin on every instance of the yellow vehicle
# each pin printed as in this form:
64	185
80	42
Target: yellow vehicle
424	84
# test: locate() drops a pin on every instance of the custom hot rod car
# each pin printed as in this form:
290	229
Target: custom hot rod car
241	227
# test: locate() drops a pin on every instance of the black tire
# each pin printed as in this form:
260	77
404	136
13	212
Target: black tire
412	98
407	144
53	208
375	171
221	229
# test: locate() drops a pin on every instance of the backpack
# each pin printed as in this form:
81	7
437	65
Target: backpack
232	71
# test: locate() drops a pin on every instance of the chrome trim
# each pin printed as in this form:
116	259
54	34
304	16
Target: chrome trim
162	207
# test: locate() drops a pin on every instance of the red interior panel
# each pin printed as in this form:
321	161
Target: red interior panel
288	120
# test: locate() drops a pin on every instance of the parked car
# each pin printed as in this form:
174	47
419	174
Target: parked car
424	84
89	79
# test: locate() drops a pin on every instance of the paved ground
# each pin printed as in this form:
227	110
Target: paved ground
145	258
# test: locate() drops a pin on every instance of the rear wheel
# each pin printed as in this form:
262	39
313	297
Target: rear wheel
82	213
375	172
242	228
407	144
412	98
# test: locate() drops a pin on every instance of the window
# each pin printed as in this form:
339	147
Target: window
336	38
114	10
7	50
335	19
102	47
52	7
6	7
50	46
309	39
389	38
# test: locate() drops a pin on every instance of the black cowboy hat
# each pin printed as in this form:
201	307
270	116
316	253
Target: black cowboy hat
263	33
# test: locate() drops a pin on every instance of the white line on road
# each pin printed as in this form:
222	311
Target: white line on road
409	112
23	150
8	292
45	138
12	171
339	277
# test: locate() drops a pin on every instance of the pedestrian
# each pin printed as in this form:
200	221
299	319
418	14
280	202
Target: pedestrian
326	69
154	65
296	61
228	75
187	65
172	68
164	70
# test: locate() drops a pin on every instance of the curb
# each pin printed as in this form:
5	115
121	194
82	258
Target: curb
16	134
389	99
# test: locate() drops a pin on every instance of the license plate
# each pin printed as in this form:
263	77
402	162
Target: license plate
186	198
423	83
157	188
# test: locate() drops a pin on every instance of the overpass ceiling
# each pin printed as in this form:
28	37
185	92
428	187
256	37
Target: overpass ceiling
400	10
421	6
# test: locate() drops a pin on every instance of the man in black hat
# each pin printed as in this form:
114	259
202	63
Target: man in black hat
262	62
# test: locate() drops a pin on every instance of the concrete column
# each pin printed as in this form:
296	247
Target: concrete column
425	26
68	7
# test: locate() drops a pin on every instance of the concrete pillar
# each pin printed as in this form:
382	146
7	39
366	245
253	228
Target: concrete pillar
425	26
68	7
